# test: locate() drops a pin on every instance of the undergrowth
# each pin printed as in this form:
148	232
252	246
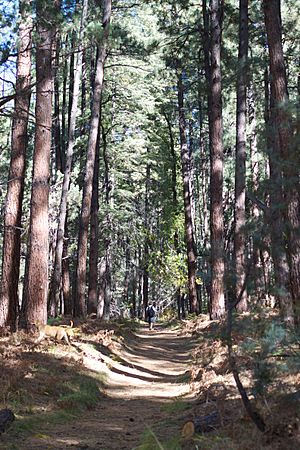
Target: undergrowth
150	441
178	405
66	400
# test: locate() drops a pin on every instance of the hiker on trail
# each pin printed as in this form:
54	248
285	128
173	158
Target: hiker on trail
151	315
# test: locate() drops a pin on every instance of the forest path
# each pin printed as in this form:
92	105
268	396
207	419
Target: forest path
150	371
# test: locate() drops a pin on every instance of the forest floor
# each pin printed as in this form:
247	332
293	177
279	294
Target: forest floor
125	387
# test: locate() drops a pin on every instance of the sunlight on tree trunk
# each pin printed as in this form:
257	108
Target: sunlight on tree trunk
9	302
216	158
240	168
80	304
57	270
36	281
189	229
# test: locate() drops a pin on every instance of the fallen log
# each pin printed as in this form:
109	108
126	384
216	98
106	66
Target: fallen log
201	424
6	418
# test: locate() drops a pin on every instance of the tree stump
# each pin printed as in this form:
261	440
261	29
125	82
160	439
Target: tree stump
201	424
6	418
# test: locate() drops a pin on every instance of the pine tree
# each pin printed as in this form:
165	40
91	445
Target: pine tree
36	274
216	157
9	302
57	269
289	155
240	169
80	304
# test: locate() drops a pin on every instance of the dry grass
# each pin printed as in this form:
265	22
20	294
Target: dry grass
46	382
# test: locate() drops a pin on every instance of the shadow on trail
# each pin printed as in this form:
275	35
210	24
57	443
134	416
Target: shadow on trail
159	345
156	376
158	357
142	376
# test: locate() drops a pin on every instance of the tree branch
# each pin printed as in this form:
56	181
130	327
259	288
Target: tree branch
253	414
258	202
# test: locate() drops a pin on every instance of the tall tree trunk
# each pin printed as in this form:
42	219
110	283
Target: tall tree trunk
101	288
134	283
146	242
66	284
57	270
189	229
56	119
276	216
80	304
72	75
216	160
201	182
174	194
240	165
36	282
255	170
105	296
94	237
289	154
206	178
276	220
140	284
9	302
108	306
126	281
64	105
191	167
83	88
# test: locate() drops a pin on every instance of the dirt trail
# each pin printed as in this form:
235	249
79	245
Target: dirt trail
149	371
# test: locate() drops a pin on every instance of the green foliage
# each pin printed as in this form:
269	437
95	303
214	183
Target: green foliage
149	42
79	393
168	268
168	317
212	442
177	406
151	442
33	423
274	350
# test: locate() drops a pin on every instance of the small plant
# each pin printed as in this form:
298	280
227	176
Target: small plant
150	442
274	350
79	393
178	405
33	423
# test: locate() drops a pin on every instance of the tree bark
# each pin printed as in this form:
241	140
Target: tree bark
276	216
126	282
56	119
108	282
80	304
36	281
187	197
240	165
289	154
94	237
146	241
67	298
134	283
255	170
9	305
174	196
216	160
64	130
72	75
101	288
57	270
